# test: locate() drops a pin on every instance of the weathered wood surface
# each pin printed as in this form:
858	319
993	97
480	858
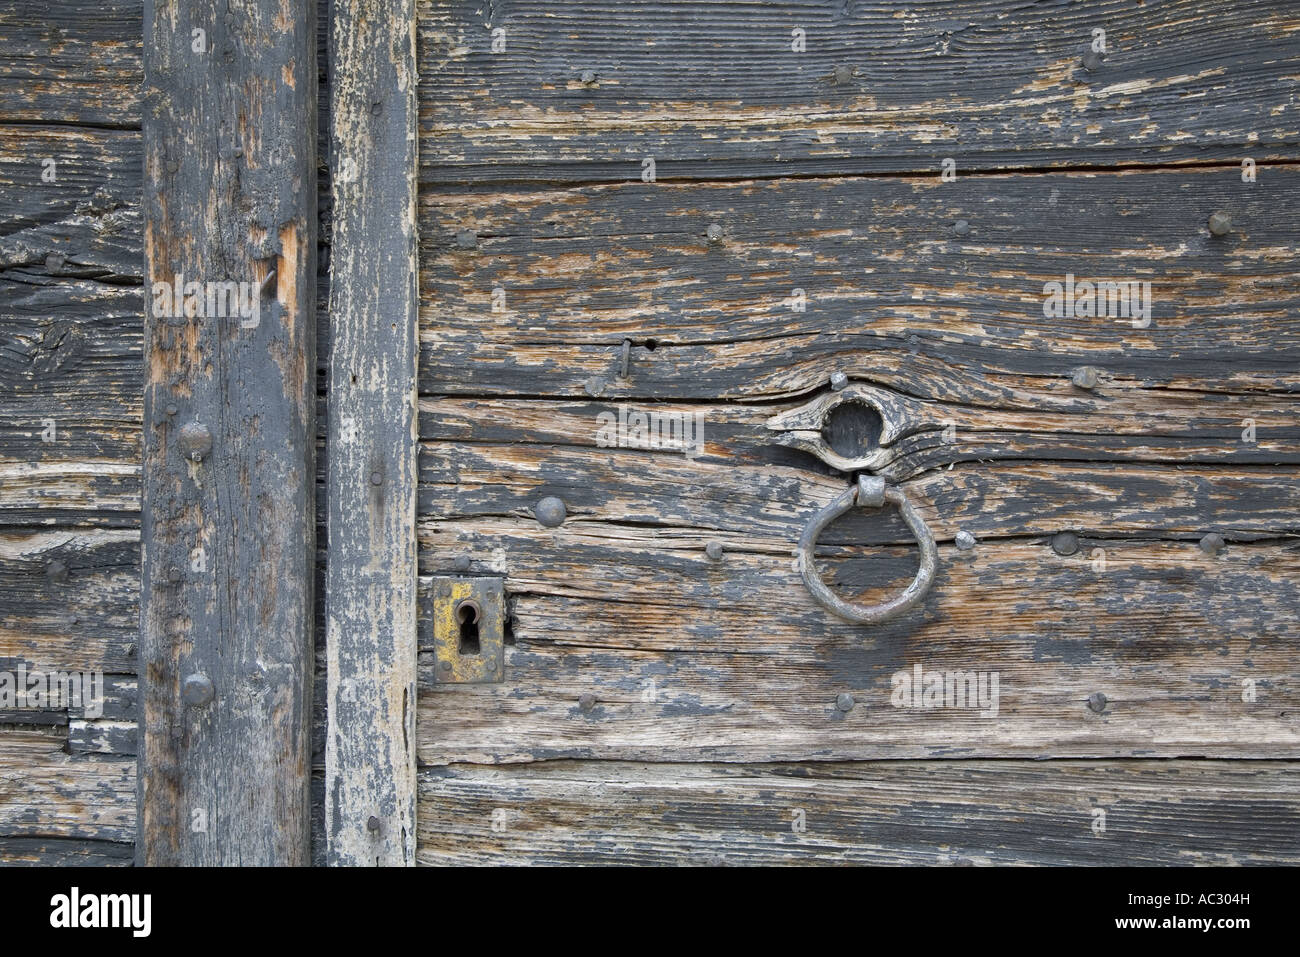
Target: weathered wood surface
370	798
71	329
715	90
84	617
543	250
71	63
228	531
66	808
687	657
894	294
690	659
910	812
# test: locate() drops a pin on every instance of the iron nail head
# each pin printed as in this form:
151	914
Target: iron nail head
550	511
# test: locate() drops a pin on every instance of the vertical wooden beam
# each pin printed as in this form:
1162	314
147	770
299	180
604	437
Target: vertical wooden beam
371	575
228	525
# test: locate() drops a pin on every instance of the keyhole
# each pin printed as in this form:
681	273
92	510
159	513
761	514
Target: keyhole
853	429
467	615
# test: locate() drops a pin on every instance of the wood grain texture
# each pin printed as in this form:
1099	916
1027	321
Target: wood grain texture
371	574
714	90
894	295
910	812
85	619
76	805
621	602
76	63
71	330
229	196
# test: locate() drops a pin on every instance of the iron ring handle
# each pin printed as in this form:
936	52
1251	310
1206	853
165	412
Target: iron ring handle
868	492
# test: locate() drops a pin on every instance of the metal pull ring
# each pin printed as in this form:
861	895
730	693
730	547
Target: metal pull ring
869	492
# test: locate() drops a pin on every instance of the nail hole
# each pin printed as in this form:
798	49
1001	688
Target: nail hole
467	616
853	429
650	344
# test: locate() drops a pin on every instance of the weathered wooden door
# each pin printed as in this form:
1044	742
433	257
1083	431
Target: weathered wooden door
615	300
1043	258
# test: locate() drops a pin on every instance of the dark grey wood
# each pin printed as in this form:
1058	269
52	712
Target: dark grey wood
230	195
71	63
63	852
715	90
894	294
371	575
905	812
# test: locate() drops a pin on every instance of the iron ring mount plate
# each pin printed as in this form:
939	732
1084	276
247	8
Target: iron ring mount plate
868	492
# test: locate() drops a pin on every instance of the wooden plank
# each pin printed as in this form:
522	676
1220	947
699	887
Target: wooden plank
48	794
685	658
78	62
370	580
1171	462
228	530
932	812
893	294
70	599
63	852
716	91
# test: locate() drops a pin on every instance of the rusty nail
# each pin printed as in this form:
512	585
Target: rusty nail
1085	377
56	572
839	380
197	690
1212	543
594	386
1096	702
964	540
466	238
627	359
586	701
961	227
550	511
844	701
376	478
713	550
1065	543
196	440
372	825
714	232
1220	224
588	77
